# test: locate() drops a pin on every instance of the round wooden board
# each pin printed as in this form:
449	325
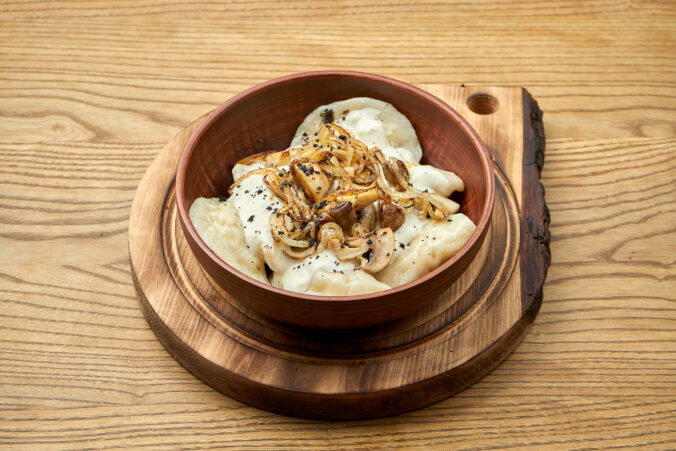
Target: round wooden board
349	374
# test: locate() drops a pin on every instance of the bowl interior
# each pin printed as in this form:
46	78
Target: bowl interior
266	117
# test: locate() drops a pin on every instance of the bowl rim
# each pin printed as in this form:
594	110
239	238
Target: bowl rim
211	118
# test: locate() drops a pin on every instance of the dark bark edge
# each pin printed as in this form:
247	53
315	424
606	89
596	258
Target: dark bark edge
535	254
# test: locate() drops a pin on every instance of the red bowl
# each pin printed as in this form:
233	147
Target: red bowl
265	117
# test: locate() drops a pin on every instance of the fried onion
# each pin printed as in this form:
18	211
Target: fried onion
354	175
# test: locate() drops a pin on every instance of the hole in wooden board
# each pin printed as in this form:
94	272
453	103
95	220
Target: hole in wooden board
483	104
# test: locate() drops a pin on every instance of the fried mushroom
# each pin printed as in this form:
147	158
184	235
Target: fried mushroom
380	251
391	216
343	214
336	191
311	178
366	221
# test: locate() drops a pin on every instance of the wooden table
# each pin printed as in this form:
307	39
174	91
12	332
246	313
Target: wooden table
90	92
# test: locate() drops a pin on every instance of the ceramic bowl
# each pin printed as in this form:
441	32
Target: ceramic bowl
265	117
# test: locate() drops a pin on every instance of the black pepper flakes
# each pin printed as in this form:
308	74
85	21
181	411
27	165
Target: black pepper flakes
327	115
251	218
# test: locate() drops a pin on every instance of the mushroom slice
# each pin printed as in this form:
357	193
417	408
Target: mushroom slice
277	181
403	170
366	221
297	253
391	216
348	250
398	171
343	214
358	198
380	251
320	220
366	176
328	232
311	178
389	174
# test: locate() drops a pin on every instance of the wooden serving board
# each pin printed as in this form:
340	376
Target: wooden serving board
379	371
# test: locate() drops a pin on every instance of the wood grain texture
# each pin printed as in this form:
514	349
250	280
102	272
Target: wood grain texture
91	91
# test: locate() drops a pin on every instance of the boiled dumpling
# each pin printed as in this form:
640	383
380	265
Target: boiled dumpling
435	243
371	121
219	225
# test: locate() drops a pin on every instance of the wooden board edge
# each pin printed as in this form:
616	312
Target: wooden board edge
535	253
534	224
350	406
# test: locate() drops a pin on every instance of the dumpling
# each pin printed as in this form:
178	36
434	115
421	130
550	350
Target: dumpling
219	225
435	243
321	274
350	283
371	121
425	177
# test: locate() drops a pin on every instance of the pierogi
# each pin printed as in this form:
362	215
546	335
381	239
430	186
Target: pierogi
348	209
